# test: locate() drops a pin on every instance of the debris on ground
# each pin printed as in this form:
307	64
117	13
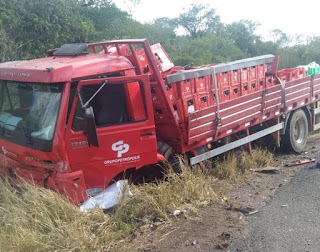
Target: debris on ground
223	245
268	169
226	236
177	212
109	197
301	162
246	210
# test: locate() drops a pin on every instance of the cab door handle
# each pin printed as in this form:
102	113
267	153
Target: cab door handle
151	133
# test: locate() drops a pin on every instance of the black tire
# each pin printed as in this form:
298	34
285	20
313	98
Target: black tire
176	163
296	134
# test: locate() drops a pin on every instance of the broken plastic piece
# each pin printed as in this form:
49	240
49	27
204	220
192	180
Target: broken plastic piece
109	197
177	212
301	162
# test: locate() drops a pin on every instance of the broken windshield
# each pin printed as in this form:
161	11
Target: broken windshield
28	112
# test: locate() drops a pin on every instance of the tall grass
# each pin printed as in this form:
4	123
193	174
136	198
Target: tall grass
192	187
236	163
36	219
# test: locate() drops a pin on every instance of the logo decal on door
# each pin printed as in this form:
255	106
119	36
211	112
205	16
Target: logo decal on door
120	147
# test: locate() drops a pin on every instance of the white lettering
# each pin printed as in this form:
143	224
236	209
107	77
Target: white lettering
12	74
122	160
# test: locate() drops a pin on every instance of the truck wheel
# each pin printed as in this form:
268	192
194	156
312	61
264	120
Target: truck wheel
295	138
176	163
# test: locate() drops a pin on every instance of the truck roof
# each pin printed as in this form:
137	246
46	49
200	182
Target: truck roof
63	68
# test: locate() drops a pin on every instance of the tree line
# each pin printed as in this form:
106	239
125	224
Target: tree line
28	28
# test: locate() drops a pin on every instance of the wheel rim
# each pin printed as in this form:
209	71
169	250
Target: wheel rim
299	131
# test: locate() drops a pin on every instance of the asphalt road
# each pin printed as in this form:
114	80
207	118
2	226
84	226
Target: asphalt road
290	221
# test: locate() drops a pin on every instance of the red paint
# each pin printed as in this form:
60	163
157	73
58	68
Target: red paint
182	114
302	162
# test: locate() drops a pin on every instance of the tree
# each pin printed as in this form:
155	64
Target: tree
204	50
7	51
131	5
242	35
279	38
312	52
109	21
94	3
165	22
36	26
198	21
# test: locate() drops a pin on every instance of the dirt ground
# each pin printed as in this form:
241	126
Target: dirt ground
214	227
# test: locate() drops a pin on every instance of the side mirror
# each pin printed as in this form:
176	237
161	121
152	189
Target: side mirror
90	127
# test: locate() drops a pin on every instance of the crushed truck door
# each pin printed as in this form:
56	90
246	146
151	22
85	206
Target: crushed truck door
123	115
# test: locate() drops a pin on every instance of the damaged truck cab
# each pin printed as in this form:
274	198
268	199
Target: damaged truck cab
74	120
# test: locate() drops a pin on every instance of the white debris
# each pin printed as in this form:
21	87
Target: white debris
177	212
109	197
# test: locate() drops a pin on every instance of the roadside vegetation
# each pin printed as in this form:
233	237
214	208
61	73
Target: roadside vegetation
28	28
36	219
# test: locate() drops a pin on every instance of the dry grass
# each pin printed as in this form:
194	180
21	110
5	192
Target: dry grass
36	219
154	201
236	163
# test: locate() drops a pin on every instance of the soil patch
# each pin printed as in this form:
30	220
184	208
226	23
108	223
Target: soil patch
214	227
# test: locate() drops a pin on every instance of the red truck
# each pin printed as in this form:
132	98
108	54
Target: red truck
78	118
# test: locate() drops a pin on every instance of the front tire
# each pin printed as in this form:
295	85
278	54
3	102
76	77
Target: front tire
176	163
296	134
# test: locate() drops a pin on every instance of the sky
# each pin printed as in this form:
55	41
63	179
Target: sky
291	17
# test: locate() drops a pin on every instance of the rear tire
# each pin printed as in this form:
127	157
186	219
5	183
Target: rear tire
296	134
